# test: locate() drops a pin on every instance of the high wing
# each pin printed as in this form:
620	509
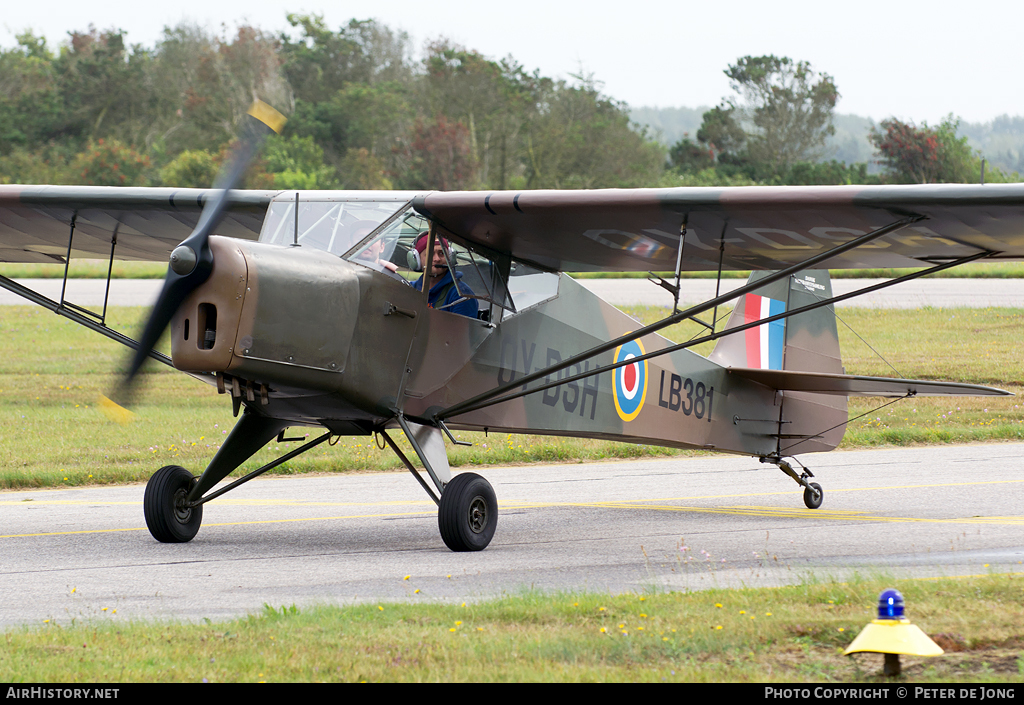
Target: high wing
760	227
601	230
35	221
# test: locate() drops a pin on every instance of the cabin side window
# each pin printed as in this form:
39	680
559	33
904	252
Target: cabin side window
529	286
500	288
389	250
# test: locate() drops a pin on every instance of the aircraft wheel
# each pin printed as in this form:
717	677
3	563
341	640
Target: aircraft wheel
468	513
167	517
812	501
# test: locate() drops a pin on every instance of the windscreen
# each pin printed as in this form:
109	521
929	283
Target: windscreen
332	226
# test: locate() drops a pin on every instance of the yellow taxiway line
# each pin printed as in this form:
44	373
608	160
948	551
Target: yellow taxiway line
226	523
321	503
655	504
754	511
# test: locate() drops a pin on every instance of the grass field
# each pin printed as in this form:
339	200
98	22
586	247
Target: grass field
53	372
86	269
792	634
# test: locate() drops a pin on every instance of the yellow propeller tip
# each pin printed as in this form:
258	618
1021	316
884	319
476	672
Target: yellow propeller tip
266	114
114	411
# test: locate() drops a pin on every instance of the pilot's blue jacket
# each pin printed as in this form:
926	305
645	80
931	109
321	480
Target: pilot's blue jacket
443	295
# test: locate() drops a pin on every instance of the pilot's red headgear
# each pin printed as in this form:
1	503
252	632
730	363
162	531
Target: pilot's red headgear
421	242
416	254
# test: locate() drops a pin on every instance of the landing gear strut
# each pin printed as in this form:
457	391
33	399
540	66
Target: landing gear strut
813	494
467	509
174	499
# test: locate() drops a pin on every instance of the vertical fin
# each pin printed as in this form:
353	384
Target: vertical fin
808	342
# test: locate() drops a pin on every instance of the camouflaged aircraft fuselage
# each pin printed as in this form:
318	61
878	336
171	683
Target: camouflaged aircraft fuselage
348	348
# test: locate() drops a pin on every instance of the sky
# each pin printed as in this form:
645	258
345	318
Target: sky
917	61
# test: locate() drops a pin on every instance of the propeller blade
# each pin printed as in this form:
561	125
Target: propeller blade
192	261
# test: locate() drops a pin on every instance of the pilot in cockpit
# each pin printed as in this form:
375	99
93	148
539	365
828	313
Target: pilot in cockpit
373	255
444	294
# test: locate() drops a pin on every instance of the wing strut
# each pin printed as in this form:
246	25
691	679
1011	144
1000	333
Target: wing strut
101	317
79	314
674	288
481	400
499	395
66	310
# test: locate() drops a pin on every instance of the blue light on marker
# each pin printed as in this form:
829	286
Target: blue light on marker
892	634
890	604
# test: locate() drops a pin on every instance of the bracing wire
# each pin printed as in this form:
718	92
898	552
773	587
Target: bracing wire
847	422
832	308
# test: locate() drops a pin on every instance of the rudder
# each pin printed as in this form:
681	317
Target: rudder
807	342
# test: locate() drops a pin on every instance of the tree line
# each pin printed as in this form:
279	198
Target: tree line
775	126
364	114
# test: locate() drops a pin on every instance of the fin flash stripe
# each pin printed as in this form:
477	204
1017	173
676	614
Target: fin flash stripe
765	342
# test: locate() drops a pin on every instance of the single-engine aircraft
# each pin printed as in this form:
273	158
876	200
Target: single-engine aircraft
300	307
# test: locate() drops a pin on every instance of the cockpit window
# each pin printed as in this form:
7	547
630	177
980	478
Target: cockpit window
477	278
500	290
330	225
528	286
389	250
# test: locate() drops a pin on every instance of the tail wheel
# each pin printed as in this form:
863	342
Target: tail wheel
468	513
813	495
168	517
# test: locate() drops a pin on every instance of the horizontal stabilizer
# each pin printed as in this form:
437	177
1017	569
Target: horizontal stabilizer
856	386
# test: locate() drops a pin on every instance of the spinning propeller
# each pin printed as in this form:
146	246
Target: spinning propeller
192	261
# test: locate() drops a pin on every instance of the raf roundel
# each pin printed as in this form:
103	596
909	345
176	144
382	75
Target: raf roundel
630	381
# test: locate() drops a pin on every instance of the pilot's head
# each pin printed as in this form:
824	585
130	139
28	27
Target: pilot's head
438	261
361	228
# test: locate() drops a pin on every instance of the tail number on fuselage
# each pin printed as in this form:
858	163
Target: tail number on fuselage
574	394
698	399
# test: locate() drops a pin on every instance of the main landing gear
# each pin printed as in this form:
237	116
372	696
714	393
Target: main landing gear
467	509
467	514
813	494
168	515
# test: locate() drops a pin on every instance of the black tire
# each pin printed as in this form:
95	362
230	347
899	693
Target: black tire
168	519
810	500
468	513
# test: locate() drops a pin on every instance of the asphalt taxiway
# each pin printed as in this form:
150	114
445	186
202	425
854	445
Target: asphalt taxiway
653	525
